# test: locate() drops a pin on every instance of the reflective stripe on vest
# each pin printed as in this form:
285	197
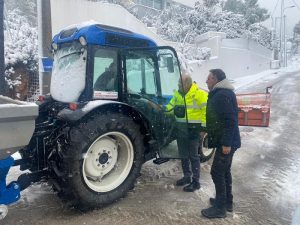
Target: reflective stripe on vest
194	106
183	120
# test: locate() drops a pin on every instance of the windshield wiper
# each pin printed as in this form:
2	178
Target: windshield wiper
72	53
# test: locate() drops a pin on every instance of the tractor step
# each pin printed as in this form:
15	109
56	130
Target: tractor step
159	161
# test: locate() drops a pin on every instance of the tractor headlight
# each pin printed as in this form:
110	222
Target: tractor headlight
82	41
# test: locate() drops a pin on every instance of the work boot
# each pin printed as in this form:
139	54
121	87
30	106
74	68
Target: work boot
194	185
229	205
214	212
183	181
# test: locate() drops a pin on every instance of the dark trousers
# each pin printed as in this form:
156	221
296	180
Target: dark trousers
221	176
188	148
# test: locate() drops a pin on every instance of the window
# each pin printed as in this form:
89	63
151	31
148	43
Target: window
157	4
141	75
168	76
148	3
105	70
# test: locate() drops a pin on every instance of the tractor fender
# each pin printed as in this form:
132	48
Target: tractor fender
106	106
73	116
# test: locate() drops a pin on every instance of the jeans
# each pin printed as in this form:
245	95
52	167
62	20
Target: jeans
221	176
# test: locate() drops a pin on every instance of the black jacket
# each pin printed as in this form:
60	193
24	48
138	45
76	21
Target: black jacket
222	117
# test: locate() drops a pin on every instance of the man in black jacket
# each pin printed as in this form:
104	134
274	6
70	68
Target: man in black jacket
223	134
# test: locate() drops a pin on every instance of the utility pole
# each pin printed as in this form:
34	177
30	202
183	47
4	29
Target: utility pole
277	44
284	41
274	39
283	20
2	60
44	41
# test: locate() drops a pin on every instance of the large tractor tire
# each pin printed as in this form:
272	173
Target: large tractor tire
102	161
205	152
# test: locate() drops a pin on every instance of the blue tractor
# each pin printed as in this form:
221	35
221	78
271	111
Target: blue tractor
105	114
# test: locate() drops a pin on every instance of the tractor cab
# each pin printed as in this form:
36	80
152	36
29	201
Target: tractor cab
98	64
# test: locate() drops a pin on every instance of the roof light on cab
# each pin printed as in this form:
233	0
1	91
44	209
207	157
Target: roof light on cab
54	46
82	41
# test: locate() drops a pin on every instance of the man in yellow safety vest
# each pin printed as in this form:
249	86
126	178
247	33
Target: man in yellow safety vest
190	102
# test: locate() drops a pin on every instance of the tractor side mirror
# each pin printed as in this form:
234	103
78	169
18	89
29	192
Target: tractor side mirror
170	64
179	111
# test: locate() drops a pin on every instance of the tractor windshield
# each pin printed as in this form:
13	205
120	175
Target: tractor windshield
68	75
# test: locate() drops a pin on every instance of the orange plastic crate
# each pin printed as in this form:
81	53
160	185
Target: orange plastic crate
254	109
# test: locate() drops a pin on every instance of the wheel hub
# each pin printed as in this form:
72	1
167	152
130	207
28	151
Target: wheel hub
103	158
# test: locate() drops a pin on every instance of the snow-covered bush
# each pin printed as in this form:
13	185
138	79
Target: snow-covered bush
20	41
21	48
182	25
173	25
259	33
190	52
250	9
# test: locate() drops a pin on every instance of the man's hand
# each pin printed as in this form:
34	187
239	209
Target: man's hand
202	134
226	150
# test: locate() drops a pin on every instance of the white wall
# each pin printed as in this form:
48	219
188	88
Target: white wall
68	12
237	57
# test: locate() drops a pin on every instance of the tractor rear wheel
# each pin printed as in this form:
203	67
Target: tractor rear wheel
205	152
103	160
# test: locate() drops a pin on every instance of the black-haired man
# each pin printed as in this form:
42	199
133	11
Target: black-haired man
223	134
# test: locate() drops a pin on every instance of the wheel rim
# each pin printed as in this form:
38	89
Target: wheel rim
108	162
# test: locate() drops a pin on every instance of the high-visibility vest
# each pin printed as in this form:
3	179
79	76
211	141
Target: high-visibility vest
195	102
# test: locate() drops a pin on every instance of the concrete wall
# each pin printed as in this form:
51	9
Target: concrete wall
237	57
68	12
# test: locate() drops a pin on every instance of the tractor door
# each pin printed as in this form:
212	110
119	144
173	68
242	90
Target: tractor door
151	78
